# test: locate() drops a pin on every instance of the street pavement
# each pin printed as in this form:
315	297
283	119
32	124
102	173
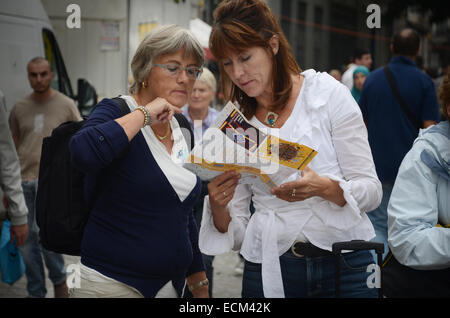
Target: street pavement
227	284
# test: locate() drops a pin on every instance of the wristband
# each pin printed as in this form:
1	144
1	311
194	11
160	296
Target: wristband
199	284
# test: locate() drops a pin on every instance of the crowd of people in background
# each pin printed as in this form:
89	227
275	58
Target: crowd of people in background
435	73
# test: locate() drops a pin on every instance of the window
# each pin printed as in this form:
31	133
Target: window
342	45
299	43
318	34
286	9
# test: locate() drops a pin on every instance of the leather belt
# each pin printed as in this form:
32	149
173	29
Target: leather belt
302	249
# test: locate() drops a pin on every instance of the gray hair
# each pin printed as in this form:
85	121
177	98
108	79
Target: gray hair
208	78
163	40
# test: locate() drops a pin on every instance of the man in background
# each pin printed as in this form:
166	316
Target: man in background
31	119
390	131
360	57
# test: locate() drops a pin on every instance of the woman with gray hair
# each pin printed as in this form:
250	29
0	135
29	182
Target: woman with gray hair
141	239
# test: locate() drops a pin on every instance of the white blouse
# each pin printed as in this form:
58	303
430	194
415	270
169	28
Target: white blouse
327	119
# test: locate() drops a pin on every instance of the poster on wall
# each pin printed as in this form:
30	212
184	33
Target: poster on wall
145	28
110	36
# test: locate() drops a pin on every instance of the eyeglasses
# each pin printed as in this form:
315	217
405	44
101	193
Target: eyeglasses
175	69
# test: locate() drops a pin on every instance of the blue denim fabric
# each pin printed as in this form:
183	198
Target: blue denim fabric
379	218
32	251
308	277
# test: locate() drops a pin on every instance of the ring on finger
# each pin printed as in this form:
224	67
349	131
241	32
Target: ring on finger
293	192
224	194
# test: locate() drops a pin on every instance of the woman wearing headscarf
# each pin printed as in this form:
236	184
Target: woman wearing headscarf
359	77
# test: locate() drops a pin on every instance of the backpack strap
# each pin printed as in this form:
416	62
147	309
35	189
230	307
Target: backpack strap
122	104
416	123
187	133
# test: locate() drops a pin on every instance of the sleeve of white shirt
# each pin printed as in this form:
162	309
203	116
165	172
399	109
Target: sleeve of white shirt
213	242
362	189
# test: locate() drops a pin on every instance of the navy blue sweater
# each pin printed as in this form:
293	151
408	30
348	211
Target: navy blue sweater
139	232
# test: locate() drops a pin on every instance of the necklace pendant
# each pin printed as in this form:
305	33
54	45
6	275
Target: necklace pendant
271	118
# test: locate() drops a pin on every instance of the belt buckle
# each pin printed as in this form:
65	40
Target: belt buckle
293	249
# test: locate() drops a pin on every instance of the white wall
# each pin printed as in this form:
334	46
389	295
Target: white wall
108	71
161	12
105	70
21	40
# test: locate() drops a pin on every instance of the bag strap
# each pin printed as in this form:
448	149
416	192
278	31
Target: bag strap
122	104
400	100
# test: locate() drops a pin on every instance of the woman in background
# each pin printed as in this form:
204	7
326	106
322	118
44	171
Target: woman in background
359	77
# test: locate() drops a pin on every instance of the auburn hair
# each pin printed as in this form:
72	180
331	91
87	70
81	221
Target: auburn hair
240	25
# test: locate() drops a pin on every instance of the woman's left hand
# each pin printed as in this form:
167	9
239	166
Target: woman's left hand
308	186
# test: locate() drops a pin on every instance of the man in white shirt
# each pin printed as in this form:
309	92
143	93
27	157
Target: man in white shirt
360	57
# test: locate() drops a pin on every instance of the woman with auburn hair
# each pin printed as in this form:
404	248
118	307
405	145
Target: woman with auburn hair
287	241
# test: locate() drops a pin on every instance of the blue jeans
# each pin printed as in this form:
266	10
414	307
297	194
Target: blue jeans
307	277
32	251
378	217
